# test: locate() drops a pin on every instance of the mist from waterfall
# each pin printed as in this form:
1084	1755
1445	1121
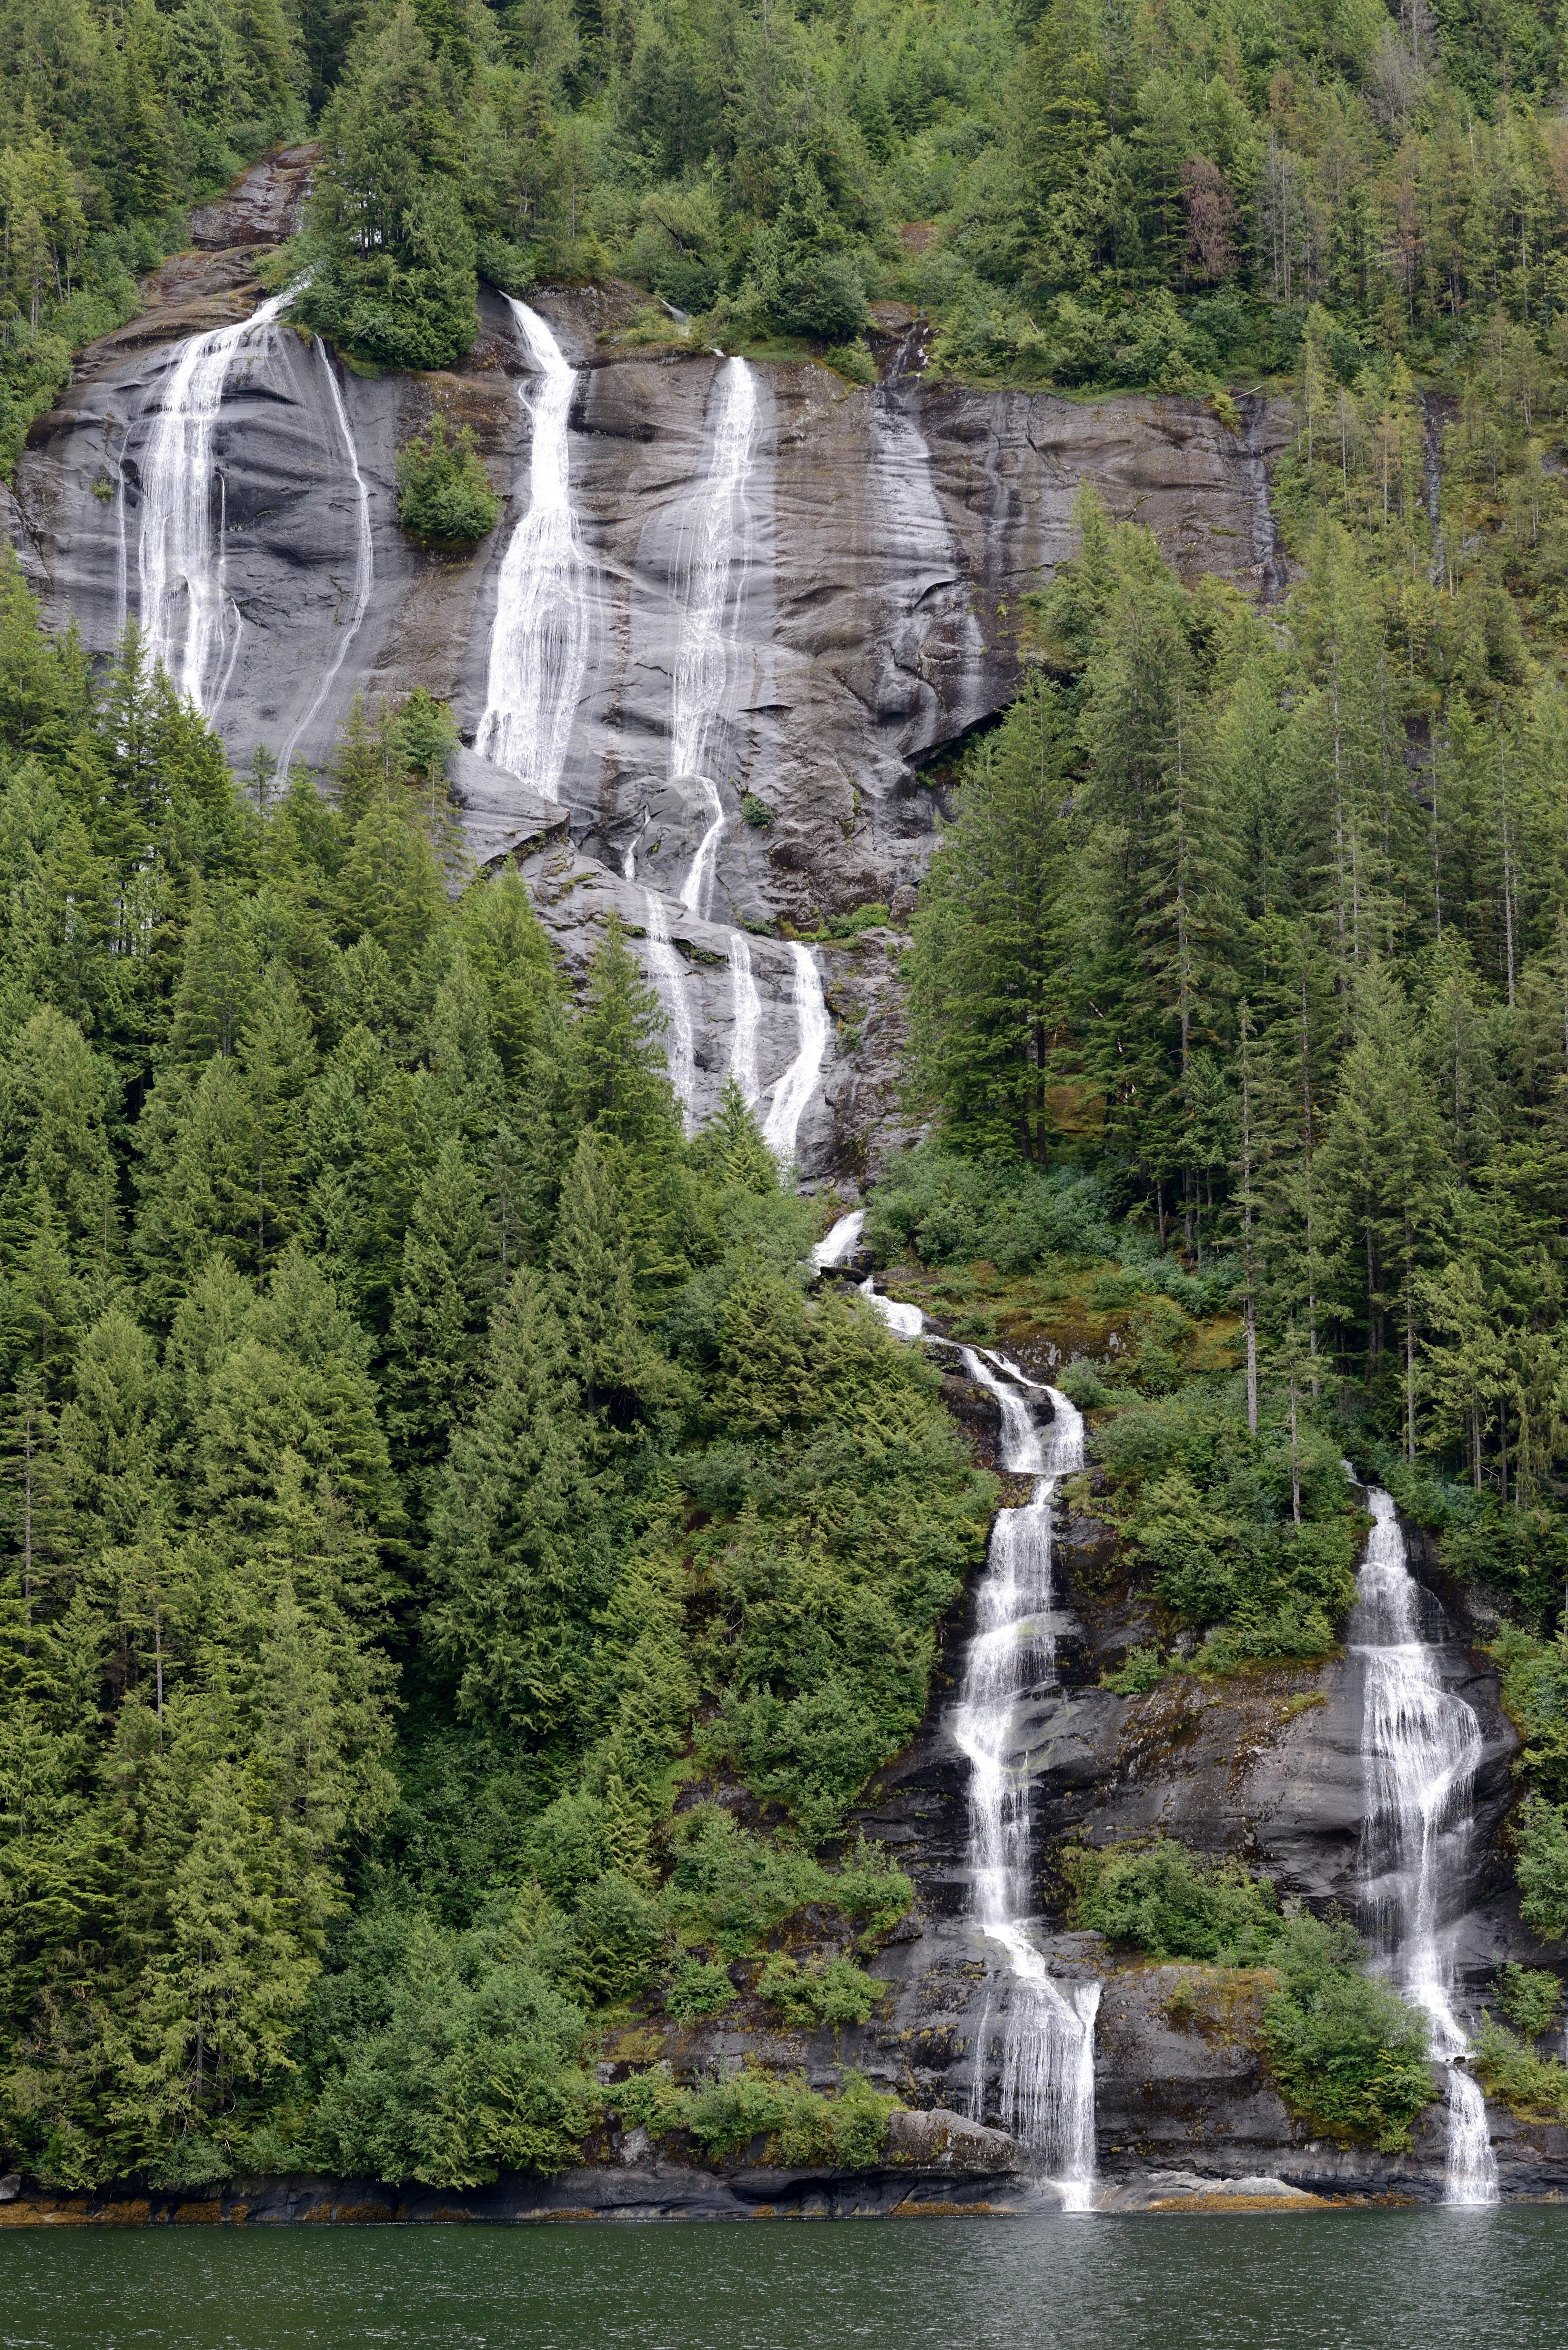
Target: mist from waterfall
539	638
364	555
1046	2038
1420	1745
188	618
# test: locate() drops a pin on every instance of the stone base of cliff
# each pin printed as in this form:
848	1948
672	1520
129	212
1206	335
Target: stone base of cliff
655	2190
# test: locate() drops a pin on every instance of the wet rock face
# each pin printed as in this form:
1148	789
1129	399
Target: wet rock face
888	534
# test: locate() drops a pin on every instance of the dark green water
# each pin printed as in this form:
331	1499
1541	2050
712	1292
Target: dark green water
1341	2280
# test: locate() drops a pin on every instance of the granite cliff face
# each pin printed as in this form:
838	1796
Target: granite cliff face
889	533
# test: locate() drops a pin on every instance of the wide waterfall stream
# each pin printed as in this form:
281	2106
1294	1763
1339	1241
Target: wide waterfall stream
1044	2038
707	586
189	619
1420	1747
539	638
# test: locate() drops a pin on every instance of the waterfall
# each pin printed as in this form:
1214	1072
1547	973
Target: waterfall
185	612
748	1013
798	1083
539	638
1420	1747
835	1247
1047	2037
364	555
669	979
904	1321
705	558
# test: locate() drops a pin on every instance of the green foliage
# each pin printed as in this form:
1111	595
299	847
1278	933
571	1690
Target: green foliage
1535	1692
444	497
1209	1508
795	2124
1541	1839
1347	2053
1163	1900
1530	1998
443	2057
1534	2087
821	1991
697	1989
368	1318
729	1887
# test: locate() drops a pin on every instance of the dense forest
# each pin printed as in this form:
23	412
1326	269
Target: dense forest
1081	193
428	1481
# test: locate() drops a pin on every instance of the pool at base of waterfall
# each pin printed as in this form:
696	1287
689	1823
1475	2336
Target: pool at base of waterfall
1320	2280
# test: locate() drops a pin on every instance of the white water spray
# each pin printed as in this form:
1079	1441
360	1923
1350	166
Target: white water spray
838	1245
539	638
364	555
798	1083
1047	2033
711	537
904	1321
187	618
1420	1747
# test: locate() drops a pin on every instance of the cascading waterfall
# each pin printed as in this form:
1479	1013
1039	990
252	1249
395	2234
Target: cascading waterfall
1420	1747
711	545
539	638
713	534
837	1245
364	555
187	618
798	1083
904	1321
1046	2036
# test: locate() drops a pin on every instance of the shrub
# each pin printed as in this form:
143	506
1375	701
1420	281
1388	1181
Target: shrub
730	1887
1542	1841
823	1990
1348	2055
853	361
445	2057
1165	1901
819	295
757	812
699	1987
799	2126
444	497
1535	2088
1530	1998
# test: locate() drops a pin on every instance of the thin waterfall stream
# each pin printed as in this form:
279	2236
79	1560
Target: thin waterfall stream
364	555
1046	2037
1420	1747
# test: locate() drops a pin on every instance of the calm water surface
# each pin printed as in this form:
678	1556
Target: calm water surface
1340	2280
